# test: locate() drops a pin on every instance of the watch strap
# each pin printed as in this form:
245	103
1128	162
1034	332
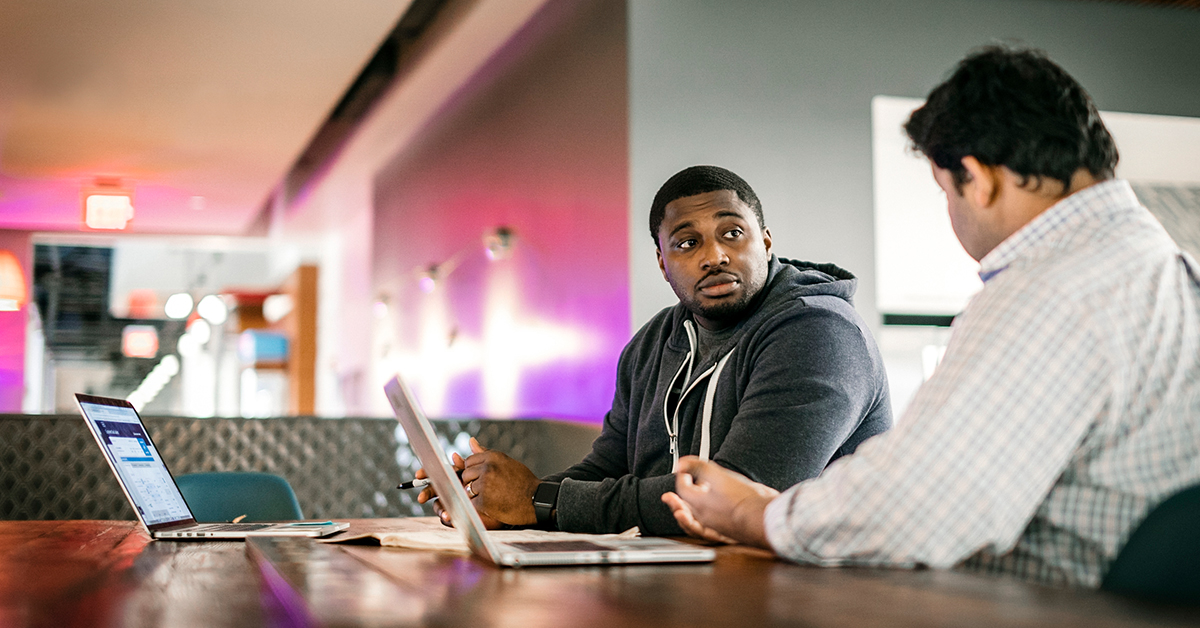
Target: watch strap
545	503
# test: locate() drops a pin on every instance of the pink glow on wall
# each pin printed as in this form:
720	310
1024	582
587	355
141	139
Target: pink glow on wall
12	328
532	147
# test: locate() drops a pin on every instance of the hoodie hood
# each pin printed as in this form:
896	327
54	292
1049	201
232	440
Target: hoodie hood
789	279
813	278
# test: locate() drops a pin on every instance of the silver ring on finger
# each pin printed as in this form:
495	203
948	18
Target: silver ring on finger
471	490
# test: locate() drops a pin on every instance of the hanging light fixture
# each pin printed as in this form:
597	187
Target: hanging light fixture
498	243
13	291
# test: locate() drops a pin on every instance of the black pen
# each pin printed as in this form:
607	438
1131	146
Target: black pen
423	482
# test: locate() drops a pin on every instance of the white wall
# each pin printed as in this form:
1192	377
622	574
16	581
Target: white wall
780	92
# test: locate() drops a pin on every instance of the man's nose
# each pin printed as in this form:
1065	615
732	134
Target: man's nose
715	255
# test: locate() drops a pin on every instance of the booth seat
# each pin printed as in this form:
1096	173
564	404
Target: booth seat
51	468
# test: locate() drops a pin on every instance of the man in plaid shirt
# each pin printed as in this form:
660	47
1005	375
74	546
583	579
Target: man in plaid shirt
1068	402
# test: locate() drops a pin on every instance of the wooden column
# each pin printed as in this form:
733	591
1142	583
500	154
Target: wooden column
301	328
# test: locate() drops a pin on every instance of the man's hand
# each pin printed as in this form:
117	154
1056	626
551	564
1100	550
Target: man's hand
510	485
714	503
687	521
427	494
503	486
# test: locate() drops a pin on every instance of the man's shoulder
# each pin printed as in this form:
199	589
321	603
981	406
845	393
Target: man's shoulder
654	332
792	307
1089	267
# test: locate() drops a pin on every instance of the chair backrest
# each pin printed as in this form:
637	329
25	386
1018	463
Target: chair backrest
223	496
1162	558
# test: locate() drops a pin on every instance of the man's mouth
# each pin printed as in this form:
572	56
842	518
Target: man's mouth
718	285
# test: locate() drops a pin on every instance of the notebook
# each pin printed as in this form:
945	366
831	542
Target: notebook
151	489
575	551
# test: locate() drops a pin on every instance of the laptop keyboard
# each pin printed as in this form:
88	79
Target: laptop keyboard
233	527
559	546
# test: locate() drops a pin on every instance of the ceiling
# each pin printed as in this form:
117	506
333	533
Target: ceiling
200	107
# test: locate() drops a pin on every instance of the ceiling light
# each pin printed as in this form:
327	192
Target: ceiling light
13	292
188	346
427	279
155	380
276	306
498	243
212	309
107	210
178	305
200	330
380	307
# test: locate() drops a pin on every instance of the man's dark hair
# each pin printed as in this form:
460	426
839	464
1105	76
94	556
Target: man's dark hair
698	180
1013	108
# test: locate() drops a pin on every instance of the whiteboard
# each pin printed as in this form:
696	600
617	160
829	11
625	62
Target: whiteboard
920	266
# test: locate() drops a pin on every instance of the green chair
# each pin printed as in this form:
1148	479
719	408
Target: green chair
1162	558
224	496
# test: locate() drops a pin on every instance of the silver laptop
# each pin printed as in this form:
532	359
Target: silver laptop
453	497
152	491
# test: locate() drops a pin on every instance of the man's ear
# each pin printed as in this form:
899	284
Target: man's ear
983	184
767	238
661	265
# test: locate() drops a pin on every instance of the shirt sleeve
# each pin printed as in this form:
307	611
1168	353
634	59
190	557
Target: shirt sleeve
978	449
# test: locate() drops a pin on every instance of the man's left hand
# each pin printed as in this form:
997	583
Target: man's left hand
502	487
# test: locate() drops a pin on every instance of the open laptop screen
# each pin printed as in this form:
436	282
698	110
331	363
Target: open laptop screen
135	459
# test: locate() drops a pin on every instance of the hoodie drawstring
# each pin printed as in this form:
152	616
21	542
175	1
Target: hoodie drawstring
671	418
705	438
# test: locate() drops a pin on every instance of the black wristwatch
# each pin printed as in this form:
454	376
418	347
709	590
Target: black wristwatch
545	504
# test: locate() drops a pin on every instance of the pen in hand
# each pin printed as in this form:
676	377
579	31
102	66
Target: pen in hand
422	482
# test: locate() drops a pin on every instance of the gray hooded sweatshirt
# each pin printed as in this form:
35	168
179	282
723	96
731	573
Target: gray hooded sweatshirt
798	384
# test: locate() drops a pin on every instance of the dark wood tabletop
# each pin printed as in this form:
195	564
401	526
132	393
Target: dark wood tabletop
109	573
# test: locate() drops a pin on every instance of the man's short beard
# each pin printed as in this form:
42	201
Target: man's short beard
726	313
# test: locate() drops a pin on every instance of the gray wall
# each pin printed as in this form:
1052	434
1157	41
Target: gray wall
780	93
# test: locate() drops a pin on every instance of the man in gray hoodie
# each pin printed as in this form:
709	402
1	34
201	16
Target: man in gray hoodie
763	367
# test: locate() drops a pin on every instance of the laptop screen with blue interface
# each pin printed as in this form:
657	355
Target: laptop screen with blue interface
136	460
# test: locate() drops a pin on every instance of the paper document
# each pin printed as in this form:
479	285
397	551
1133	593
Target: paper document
428	533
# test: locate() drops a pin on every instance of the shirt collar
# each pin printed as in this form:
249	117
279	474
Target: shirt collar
1057	219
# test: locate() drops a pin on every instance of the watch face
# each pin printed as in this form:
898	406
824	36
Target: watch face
546	494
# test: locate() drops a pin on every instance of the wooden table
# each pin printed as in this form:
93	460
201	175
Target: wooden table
109	573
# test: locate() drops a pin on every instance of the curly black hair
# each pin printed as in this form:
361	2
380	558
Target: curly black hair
1014	108
698	180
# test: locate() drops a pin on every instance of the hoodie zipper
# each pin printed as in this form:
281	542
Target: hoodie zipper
671	418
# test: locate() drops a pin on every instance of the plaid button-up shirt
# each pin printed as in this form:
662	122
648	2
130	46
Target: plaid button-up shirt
1066	406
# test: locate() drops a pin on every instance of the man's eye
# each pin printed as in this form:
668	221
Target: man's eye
733	233
686	244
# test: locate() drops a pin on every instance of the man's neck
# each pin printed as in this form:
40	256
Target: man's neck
713	326
1037	197
1031	200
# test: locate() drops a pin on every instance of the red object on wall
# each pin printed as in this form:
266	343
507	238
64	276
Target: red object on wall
13	324
13	291
139	341
144	304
